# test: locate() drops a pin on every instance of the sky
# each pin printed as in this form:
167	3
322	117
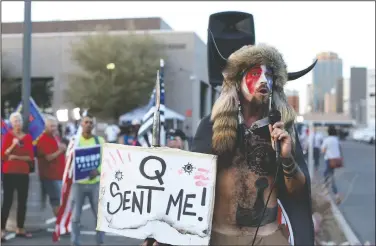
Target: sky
299	30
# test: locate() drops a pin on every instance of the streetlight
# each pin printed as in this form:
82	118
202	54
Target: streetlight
110	66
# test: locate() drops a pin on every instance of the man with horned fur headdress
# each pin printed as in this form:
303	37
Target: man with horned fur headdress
239	132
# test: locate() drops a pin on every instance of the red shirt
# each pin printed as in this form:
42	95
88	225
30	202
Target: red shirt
25	149
51	170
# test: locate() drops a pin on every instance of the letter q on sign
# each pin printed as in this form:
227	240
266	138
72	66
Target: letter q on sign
158	173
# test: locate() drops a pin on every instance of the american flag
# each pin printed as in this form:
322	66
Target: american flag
146	129
283	219
64	215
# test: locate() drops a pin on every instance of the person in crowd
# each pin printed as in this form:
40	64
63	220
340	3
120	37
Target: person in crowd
123	135
177	139
18	159
317	142
331	149
86	188
51	163
128	136
112	131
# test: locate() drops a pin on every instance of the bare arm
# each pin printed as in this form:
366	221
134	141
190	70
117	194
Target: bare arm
9	150
121	140
20	157
294	177
54	155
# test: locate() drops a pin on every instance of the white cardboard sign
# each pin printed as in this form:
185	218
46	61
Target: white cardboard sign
163	193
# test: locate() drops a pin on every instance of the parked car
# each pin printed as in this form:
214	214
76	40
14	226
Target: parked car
364	135
369	135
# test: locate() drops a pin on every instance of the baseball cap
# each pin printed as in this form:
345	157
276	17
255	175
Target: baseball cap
176	133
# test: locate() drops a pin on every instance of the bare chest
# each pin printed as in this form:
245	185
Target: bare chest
243	188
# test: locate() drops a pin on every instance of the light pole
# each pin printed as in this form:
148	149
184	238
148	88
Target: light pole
26	64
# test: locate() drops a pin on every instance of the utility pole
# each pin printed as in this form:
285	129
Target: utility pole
26	77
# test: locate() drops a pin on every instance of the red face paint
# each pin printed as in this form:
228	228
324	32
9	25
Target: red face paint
251	78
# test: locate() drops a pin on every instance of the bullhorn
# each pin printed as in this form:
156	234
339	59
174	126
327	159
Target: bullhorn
296	75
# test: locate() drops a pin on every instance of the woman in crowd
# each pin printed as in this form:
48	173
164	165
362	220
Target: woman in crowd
18	158
332	152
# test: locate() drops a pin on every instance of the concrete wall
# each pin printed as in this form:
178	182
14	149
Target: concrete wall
185	67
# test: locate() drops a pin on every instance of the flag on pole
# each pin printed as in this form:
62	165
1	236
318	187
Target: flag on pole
64	215
146	129
36	121
4	129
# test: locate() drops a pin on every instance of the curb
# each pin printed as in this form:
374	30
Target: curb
346	229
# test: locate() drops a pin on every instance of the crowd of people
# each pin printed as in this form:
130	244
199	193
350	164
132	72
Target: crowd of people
127	135
18	161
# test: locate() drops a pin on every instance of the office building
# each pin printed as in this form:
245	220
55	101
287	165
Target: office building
330	102
293	99
346	96
186	78
339	95
358	94
309	99
325	76
371	97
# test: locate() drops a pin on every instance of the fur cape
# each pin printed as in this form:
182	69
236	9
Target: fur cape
225	110
216	134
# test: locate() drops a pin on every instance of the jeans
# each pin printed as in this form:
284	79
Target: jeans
316	157
15	182
79	193
329	177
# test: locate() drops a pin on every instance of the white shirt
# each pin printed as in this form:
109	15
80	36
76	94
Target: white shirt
111	133
317	139
331	144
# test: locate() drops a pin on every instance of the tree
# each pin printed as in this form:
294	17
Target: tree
106	92
11	90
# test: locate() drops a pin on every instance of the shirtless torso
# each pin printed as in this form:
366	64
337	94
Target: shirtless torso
242	190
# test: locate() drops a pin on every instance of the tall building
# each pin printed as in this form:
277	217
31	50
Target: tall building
330	102
309	97
371	97
325	76
293	99
346	96
358	94
339	96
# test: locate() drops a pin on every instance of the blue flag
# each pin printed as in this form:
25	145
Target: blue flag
36	121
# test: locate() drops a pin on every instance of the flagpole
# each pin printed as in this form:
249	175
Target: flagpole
26	64
157	118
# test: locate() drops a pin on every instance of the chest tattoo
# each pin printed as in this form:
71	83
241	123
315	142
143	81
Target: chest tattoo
255	164
251	217
259	155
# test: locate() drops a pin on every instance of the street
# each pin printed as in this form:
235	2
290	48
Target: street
356	182
44	237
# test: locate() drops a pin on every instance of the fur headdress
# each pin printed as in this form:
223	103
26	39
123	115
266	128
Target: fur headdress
225	110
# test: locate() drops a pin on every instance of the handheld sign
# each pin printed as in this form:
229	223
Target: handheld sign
86	159
163	193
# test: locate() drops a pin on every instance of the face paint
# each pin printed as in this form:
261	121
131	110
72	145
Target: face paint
257	75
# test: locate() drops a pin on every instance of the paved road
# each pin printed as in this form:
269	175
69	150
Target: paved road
43	237
356	182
